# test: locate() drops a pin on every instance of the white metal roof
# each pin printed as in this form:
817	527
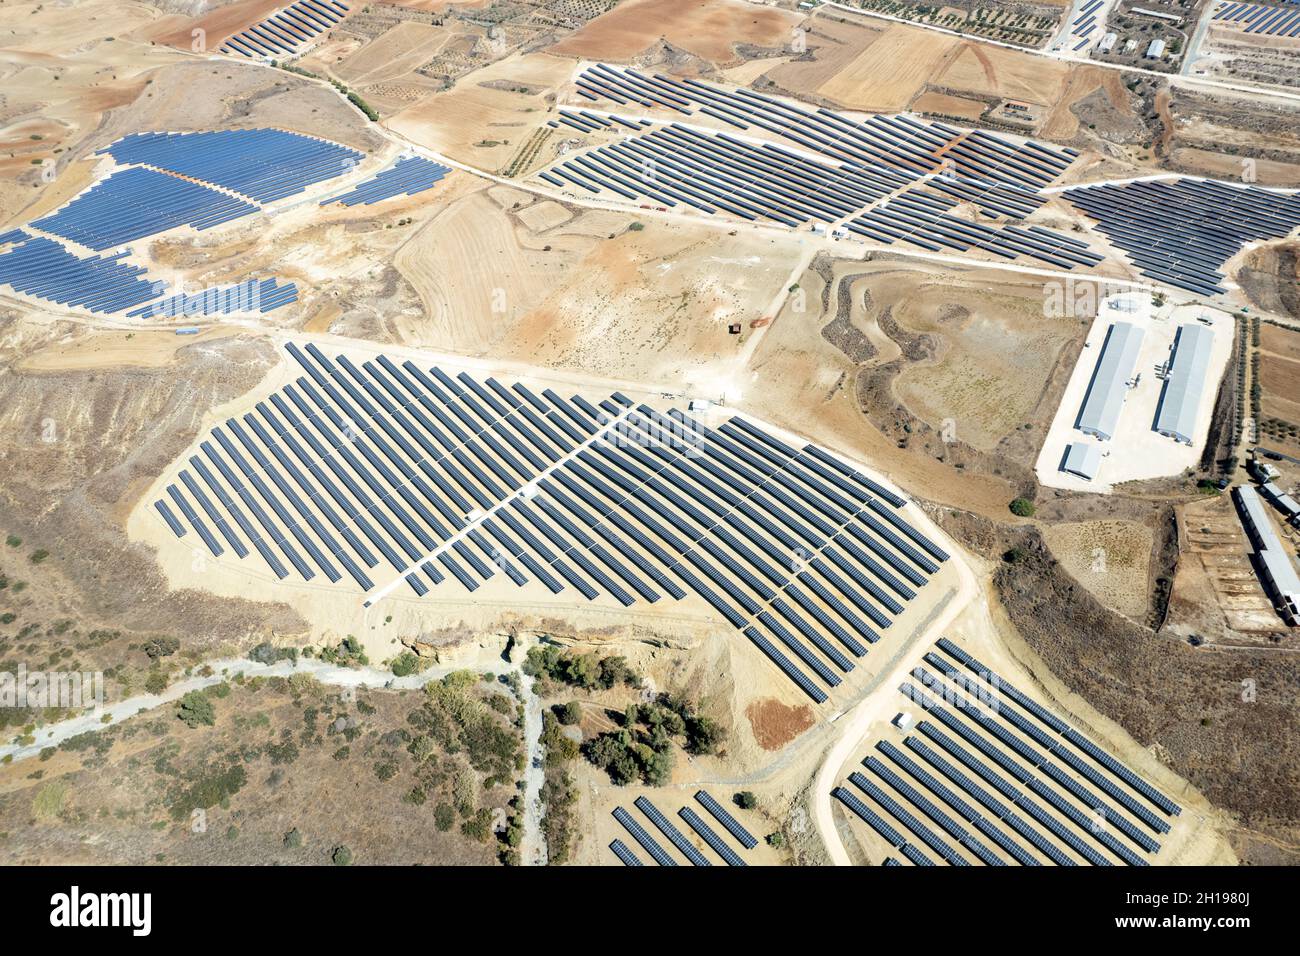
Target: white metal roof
1280	499
1105	398
1181	398
1271	552
1082	459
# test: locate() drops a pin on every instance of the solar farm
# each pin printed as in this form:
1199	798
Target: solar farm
198	181
652	433
895	180
888	179
979	773
289	32
381	475
1257	18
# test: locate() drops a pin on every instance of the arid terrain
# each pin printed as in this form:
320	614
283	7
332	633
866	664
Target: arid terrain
253	717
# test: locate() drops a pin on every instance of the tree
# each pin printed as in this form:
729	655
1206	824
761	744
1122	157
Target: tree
406	663
569	714
341	856
1023	508
745	800
161	647
156	682
195	709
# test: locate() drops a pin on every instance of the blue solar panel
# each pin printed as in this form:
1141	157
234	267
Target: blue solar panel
263	164
136	202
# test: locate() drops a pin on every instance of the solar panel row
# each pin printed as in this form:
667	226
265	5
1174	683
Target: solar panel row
1064	813
926	221
255	295
138	201
675	836
407	176
44	269
1181	232
790	545
898	142
288	32
1261	19
262	164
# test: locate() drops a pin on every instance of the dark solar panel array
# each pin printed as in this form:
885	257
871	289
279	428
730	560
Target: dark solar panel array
262	295
926	221
697	824
896	142
1261	19
437	477
136	202
288	32
406	177
262	164
858	164
992	775
44	269
1181	232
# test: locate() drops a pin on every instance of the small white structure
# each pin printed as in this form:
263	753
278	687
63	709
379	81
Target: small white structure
1082	459
1280	500
1157	49
1107	42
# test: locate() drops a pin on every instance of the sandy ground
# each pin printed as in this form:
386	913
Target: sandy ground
710	29
484	125
1136	451
1110	558
62	74
144	349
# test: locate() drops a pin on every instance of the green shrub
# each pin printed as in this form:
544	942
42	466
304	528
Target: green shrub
196	708
1023	508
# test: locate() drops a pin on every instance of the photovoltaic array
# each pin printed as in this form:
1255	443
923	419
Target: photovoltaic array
262	164
408	176
288	32
918	170
44	269
1261	19
169	180
895	142
1085	24
251	296
1182	231
677	839
991	776
137	202
437	477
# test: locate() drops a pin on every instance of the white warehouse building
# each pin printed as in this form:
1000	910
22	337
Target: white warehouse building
1105	399
1180	401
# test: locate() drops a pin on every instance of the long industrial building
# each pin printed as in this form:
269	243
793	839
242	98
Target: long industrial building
1105	399
1277	569
1184	386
